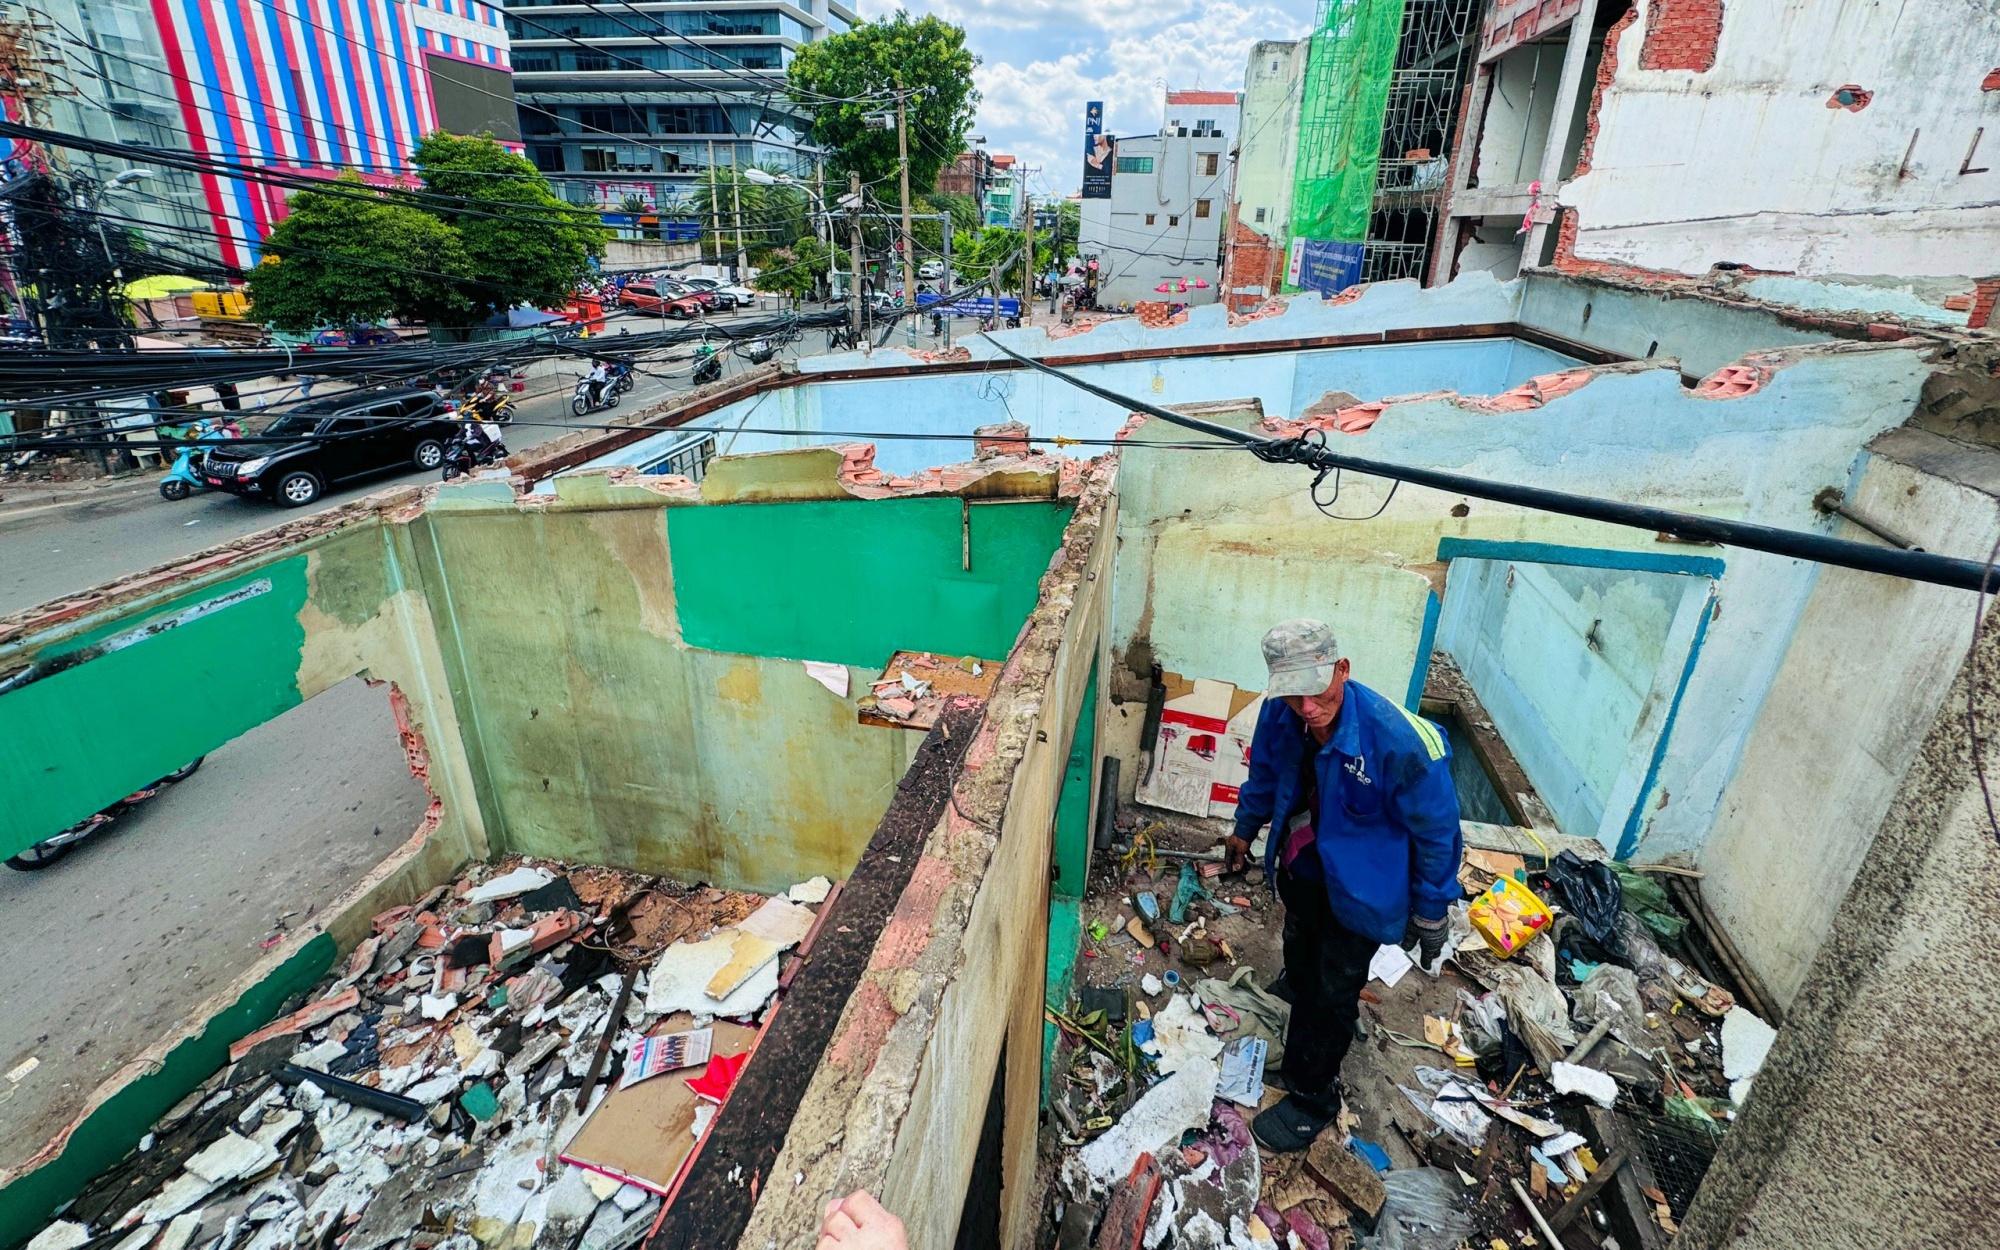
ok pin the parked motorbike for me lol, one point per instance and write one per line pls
(621, 379)
(584, 400)
(182, 480)
(707, 364)
(46, 852)
(463, 455)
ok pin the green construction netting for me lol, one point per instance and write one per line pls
(1348, 71)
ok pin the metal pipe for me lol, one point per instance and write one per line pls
(1535, 1214)
(1916, 566)
(1834, 503)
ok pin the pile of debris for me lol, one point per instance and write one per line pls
(525, 1058)
(1564, 1046)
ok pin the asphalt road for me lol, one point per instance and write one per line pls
(112, 946)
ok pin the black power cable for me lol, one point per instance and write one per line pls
(1918, 566)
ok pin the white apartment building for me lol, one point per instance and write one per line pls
(1162, 225)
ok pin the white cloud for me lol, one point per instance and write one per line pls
(1043, 59)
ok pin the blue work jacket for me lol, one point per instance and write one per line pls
(1387, 826)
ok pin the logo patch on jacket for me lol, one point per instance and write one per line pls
(1358, 767)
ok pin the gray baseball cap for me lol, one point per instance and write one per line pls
(1300, 654)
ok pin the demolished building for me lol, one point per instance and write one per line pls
(597, 666)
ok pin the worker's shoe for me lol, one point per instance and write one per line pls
(1294, 1122)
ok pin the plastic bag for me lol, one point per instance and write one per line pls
(1591, 891)
(1536, 1010)
(1646, 898)
(1613, 992)
(1239, 1007)
(1423, 1212)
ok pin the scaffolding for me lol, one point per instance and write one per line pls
(1433, 53)
(1348, 67)
(1379, 106)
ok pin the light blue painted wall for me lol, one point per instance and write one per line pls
(1284, 382)
(1213, 550)
(1567, 661)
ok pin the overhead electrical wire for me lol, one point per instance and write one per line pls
(1922, 566)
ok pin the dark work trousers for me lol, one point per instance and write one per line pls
(1327, 965)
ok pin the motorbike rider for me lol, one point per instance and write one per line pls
(599, 378)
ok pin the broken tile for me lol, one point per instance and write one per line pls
(779, 920)
(812, 891)
(180, 1231)
(510, 885)
(231, 1157)
(749, 954)
(60, 1235)
(679, 980)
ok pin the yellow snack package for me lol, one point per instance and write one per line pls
(1508, 916)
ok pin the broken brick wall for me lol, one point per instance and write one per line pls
(1681, 34)
(1875, 190)
(898, 1104)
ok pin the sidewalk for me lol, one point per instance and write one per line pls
(22, 496)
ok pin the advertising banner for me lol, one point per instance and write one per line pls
(1328, 266)
(1100, 153)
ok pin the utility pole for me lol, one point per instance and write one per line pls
(909, 240)
(736, 196)
(1028, 253)
(714, 205)
(854, 247)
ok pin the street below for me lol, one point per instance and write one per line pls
(114, 944)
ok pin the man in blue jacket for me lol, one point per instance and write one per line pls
(1364, 848)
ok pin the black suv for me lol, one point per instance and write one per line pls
(348, 436)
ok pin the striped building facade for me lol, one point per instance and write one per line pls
(314, 87)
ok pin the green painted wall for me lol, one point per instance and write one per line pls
(116, 1126)
(629, 677)
(184, 678)
(855, 581)
(1073, 814)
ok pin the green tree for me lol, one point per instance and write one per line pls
(966, 214)
(927, 56)
(773, 214)
(796, 270)
(522, 243)
(349, 254)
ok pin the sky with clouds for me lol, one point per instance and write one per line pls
(1041, 60)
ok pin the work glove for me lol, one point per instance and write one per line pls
(1428, 937)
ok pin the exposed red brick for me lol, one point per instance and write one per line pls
(1984, 294)
(1513, 22)
(1681, 34)
(1607, 69)
(1991, 82)
(1532, 393)
(1252, 259)
(1850, 96)
(1733, 381)
(1007, 438)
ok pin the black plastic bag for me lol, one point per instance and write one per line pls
(1592, 894)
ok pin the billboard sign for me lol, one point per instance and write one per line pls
(1100, 153)
(1328, 266)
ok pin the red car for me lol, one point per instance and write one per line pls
(677, 287)
(645, 296)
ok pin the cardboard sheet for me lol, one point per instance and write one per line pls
(644, 1133)
(1203, 751)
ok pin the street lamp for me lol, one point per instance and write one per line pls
(118, 182)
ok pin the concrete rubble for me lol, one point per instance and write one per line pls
(430, 1091)
(1557, 1071)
